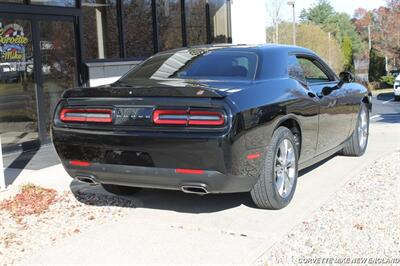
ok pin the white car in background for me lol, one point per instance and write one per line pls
(396, 88)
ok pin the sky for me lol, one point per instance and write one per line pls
(347, 6)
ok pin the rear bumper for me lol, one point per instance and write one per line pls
(163, 178)
(150, 159)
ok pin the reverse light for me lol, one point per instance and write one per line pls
(188, 118)
(86, 115)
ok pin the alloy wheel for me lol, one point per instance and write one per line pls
(362, 128)
(285, 168)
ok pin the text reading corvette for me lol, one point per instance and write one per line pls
(213, 119)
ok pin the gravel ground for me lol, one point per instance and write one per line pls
(362, 221)
(69, 215)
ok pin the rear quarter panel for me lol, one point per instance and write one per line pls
(260, 109)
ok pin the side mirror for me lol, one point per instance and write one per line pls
(346, 77)
(327, 90)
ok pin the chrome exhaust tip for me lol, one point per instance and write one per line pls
(198, 190)
(87, 179)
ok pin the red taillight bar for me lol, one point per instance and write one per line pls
(79, 163)
(189, 171)
(179, 117)
(188, 117)
(86, 115)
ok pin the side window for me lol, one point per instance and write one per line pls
(312, 72)
(295, 70)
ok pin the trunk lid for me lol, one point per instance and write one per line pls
(161, 88)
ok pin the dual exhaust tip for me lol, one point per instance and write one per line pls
(195, 189)
(91, 180)
(190, 189)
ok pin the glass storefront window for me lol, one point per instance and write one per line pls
(219, 21)
(195, 12)
(100, 29)
(138, 28)
(57, 50)
(169, 24)
(18, 116)
(69, 3)
(12, 1)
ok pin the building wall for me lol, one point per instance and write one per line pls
(101, 73)
(249, 19)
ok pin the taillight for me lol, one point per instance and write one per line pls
(86, 115)
(188, 118)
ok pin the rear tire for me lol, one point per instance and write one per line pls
(397, 98)
(276, 186)
(358, 142)
(120, 190)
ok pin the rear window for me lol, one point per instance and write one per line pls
(188, 64)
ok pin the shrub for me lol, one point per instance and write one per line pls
(389, 80)
(377, 66)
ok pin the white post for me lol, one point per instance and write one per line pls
(369, 37)
(2, 177)
(293, 5)
(329, 48)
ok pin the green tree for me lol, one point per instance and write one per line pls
(312, 37)
(377, 67)
(339, 24)
(347, 48)
(318, 13)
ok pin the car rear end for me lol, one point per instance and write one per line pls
(166, 124)
(179, 143)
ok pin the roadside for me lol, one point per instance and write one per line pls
(361, 221)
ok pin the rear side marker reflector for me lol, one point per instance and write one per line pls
(86, 115)
(79, 163)
(189, 171)
(188, 118)
(253, 156)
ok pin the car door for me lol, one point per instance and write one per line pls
(335, 115)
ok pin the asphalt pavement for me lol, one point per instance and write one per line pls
(384, 108)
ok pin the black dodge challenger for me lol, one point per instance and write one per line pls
(213, 119)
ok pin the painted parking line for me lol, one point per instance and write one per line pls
(385, 102)
(375, 117)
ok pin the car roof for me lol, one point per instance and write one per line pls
(260, 47)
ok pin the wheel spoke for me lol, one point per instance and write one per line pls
(288, 183)
(283, 151)
(280, 183)
(290, 158)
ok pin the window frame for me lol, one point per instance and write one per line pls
(333, 78)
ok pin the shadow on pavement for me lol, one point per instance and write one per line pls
(162, 199)
(170, 200)
(388, 118)
(17, 166)
(385, 96)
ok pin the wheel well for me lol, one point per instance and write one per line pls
(293, 126)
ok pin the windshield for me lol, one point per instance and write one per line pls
(197, 64)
